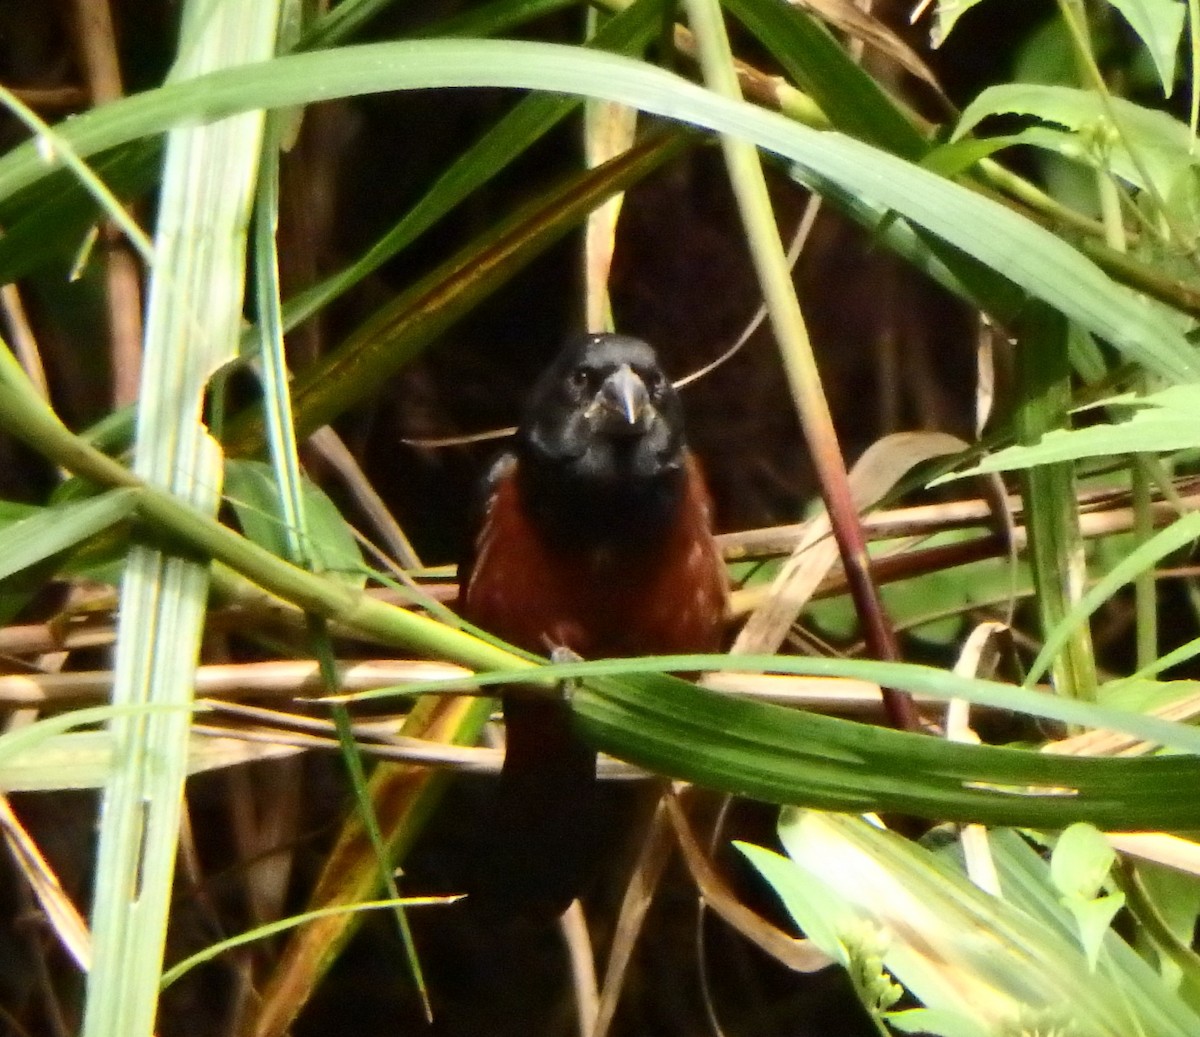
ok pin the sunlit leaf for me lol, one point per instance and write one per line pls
(947, 14)
(252, 491)
(1161, 144)
(1081, 861)
(1159, 422)
(50, 530)
(936, 1021)
(965, 952)
(1079, 867)
(1159, 23)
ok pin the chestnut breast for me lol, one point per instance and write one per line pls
(663, 596)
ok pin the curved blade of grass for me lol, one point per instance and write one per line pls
(854, 102)
(397, 332)
(1026, 254)
(283, 925)
(1176, 536)
(769, 752)
(920, 680)
(783, 756)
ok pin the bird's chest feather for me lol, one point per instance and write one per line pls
(661, 595)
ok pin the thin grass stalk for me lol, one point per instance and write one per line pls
(285, 459)
(1108, 194)
(795, 347)
(1145, 587)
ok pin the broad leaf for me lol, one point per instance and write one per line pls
(1006, 966)
(1162, 145)
(1159, 23)
(251, 489)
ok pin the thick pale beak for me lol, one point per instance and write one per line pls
(623, 400)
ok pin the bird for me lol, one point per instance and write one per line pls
(594, 539)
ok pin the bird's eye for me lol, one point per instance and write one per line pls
(581, 378)
(656, 384)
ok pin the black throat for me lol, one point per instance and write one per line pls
(627, 512)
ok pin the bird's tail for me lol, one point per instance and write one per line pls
(542, 848)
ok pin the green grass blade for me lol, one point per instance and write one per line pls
(528, 122)
(1142, 559)
(1021, 251)
(853, 101)
(1056, 550)
(200, 248)
(60, 527)
(398, 332)
(261, 932)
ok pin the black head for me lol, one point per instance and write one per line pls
(603, 436)
(604, 411)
